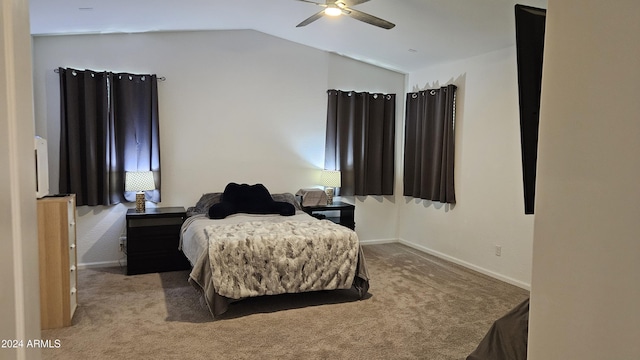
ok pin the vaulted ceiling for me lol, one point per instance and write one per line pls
(427, 32)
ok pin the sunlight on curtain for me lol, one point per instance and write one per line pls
(108, 125)
(429, 145)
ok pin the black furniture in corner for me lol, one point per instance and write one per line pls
(346, 212)
(153, 237)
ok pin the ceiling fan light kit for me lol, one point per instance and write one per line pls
(333, 11)
(336, 8)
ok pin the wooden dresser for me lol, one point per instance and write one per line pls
(57, 256)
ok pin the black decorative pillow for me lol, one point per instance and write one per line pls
(283, 208)
(221, 210)
(250, 199)
(247, 197)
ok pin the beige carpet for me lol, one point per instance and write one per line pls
(419, 307)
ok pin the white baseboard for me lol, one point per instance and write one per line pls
(115, 263)
(468, 265)
(378, 241)
(452, 259)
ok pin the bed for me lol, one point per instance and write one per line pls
(247, 253)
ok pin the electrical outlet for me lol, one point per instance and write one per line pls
(123, 240)
(498, 250)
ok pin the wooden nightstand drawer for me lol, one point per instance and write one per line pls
(156, 262)
(153, 239)
(345, 213)
(152, 222)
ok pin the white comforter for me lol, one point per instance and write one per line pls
(251, 255)
(194, 242)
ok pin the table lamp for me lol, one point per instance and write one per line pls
(330, 179)
(139, 181)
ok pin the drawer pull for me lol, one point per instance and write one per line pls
(73, 268)
(72, 246)
(73, 291)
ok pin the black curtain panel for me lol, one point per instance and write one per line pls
(87, 160)
(108, 125)
(360, 141)
(135, 109)
(530, 27)
(429, 145)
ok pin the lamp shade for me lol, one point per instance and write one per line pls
(330, 178)
(139, 181)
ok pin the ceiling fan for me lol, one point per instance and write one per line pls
(343, 7)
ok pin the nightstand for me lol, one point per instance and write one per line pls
(346, 213)
(153, 238)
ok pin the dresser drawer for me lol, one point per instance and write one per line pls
(57, 260)
(73, 291)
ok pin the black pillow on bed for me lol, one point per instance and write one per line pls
(250, 199)
(283, 208)
(221, 210)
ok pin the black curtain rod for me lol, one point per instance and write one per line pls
(160, 78)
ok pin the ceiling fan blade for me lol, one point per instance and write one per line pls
(313, 2)
(311, 19)
(354, 2)
(369, 19)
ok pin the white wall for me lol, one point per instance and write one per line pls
(488, 173)
(376, 216)
(586, 287)
(236, 106)
(19, 298)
